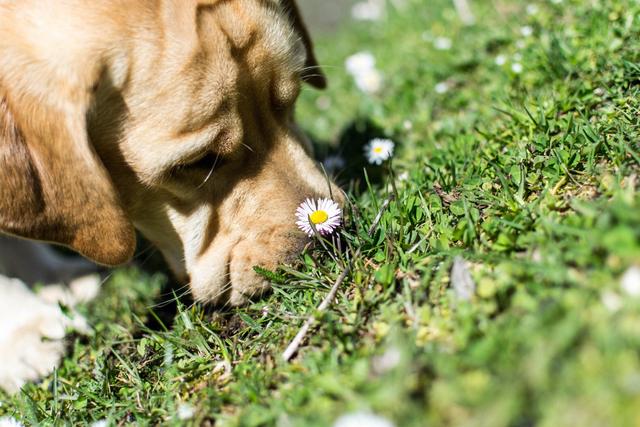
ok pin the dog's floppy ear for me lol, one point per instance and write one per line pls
(312, 73)
(53, 187)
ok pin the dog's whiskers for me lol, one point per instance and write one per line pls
(213, 167)
(318, 67)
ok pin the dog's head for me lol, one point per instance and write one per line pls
(173, 116)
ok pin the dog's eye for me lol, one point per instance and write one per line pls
(206, 163)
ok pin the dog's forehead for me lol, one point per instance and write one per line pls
(250, 27)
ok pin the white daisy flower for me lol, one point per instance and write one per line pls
(442, 43)
(378, 150)
(501, 60)
(442, 87)
(10, 422)
(362, 419)
(516, 68)
(359, 62)
(369, 81)
(362, 66)
(370, 10)
(526, 31)
(323, 214)
(611, 300)
(532, 9)
(630, 282)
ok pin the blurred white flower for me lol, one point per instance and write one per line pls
(10, 422)
(185, 411)
(521, 44)
(362, 419)
(378, 150)
(386, 361)
(369, 81)
(526, 31)
(407, 125)
(442, 43)
(611, 301)
(517, 68)
(532, 9)
(501, 60)
(442, 87)
(630, 282)
(370, 10)
(362, 66)
(333, 164)
(361, 61)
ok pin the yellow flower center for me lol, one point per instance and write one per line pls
(377, 150)
(319, 217)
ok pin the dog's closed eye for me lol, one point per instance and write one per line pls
(208, 162)
(205, 164)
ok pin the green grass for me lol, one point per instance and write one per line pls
(530, 177)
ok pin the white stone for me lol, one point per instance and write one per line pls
(461, 281)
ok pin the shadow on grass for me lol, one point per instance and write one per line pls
(346, 162)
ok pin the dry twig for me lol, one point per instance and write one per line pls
(464, 11)
(292, 348)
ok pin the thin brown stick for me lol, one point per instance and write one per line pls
(464, 11)
(292, 348)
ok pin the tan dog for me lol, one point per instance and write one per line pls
(171, 116)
